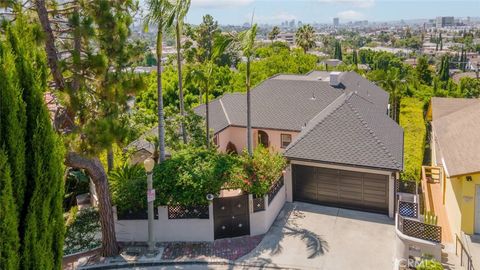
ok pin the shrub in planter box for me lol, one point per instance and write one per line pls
(192, 173)
(128, 186)
(261, 170)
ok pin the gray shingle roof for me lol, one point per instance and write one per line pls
(288, 102)
(276, 104)
(364, 88)
(346, 124)
(353, 131)
(218, 118)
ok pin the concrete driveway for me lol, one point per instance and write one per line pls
(308, 236)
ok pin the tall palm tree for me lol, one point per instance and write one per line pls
(391, 81)
(247, 42)
(181, 10)
(161, 13)
(203, 75)
(305, 37)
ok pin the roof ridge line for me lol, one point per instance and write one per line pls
(356, 94)
(332, 110)
(225, 112)
(365, 123)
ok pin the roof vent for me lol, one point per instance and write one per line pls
(313, 96)
(335, 78)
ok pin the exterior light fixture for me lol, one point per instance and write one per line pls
(210, 197)
(148, 164)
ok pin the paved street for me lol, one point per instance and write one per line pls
(308, 236)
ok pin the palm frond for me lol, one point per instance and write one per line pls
(160, 12)
(247, 40)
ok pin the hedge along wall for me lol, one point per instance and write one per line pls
(413, 123)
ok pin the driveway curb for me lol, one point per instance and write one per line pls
(170, 263)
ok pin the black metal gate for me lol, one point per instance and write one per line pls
(231, 216)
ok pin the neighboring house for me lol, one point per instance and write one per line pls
(455, 144)
(343, 148)
(143, 147)
(457, 77)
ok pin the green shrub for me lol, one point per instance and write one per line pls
(261, 170)
(82, 229)
(429, 264)
(413, 124)
(431, 218)
(192, 173)
(76, 183)
(128, 185)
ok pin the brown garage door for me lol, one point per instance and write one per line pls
(362, 191)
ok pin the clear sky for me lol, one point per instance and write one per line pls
(323, 11)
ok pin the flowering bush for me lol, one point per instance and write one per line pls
(192, 173)
(261, 170)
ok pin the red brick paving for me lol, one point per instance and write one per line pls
(230, 249)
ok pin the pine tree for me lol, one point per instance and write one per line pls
(355, 58)
(441, 42)
(338, 51)
(444, 72)
(96, 35)
(463, 59)
(422, 71)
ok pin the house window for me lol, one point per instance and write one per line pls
(286, 139)
(263, 138)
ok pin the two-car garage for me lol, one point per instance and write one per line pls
(359, 190)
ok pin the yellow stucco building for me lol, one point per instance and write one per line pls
(455, 145)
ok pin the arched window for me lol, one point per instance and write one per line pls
(263, 138)
(231, 148)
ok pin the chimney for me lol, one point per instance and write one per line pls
(335, 78)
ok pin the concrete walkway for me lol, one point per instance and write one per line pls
(473, 243)
(307, 236)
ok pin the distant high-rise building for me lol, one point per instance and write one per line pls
(299, 23)
(336, 21)
(292, 23)
(444, 21)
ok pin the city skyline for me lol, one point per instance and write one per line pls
(237, 12)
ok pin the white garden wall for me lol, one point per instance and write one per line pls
(195, 230)
(260, 222)
(166, 230)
